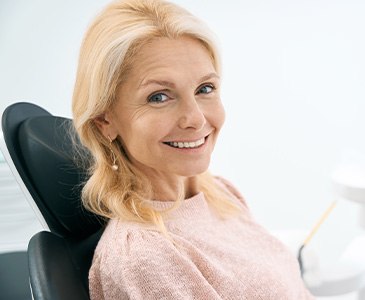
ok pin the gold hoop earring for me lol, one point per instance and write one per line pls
(114, 158)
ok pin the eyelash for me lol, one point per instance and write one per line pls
(207, 85)
(150, 98)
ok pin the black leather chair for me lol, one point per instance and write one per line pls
(40, 146)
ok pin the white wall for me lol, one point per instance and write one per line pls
(294, 74)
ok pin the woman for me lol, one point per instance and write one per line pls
(146, 103)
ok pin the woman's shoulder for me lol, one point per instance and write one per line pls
(230, 189)
(122, 237)
(127, 255)
(129, 245)
(128, 250)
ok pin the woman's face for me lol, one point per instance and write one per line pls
(168, 113)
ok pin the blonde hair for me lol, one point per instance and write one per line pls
(106, 56)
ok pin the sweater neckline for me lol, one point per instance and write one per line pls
(159, 204)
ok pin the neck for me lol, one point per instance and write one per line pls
(167, 189)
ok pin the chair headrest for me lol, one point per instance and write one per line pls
(41, 147)
(47, 148)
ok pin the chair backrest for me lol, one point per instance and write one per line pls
(41, 148)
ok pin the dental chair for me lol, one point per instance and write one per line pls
(42, 158)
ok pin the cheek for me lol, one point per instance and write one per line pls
(223, 115)
(148, 130)
(218, 116)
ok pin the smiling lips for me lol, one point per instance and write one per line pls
(189, 145)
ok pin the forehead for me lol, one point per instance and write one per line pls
(184, 55)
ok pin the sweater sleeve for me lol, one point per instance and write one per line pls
(146, 265)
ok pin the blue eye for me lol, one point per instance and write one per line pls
(205, 89)
(157, 98)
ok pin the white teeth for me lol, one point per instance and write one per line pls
(187, 144)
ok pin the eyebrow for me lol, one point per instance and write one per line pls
(172, 85)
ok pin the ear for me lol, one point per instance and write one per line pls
(105, 124)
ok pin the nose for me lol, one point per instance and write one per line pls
(191, 114)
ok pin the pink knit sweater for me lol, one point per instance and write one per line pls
(210, 258)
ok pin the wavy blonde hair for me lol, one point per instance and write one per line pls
(106, 56)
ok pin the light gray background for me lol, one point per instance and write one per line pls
(293, 88)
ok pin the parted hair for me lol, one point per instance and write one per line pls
(106, 56)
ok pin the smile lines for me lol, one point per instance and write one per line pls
(186, 144)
